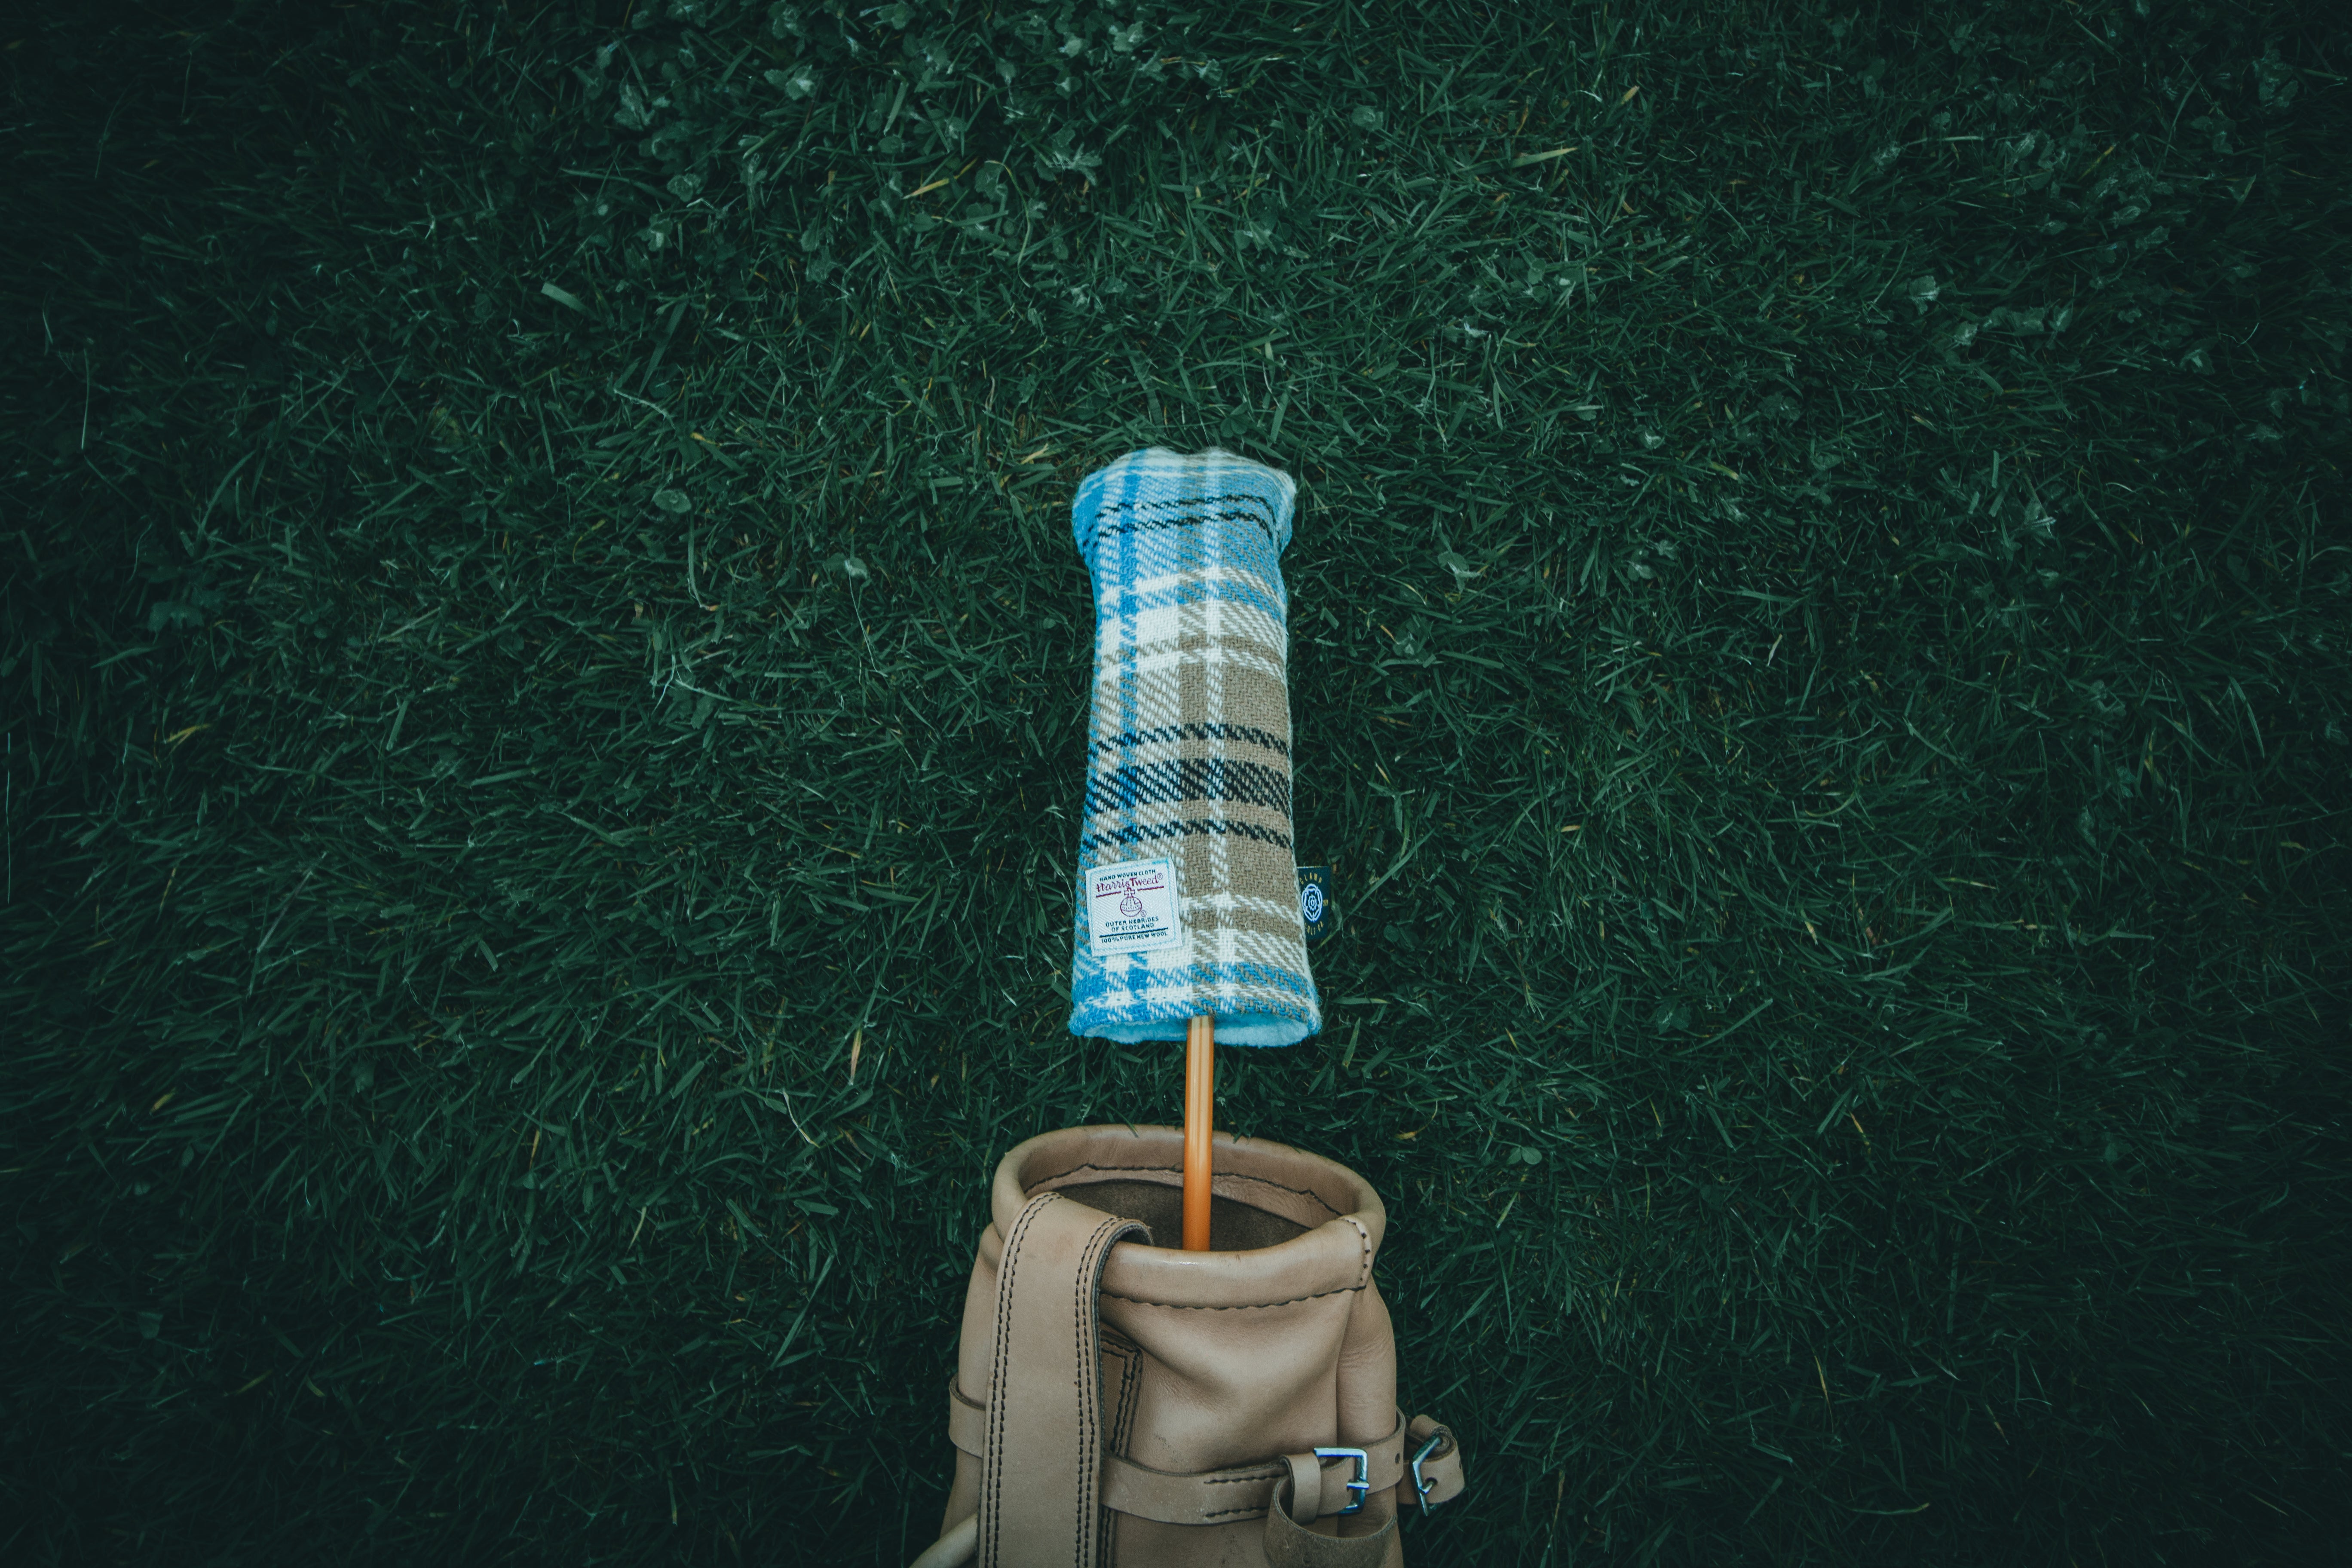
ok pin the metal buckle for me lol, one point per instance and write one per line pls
(1422, 1488)
(1360, 1484)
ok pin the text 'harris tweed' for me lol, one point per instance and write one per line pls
(1189, 755)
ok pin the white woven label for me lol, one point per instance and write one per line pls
(1131, 908)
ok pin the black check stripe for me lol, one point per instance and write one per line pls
(1189, 778)
(1126, 836)
(1166, 733)
(1183, 512)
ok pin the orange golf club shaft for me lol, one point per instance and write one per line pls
(1200, 1122)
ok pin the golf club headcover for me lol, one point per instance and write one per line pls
(1188, 895)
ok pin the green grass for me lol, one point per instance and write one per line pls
(540, 629)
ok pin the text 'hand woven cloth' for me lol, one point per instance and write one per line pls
(1188, 894)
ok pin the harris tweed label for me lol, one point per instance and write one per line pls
(1131, 908)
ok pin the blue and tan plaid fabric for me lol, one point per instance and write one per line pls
(1189, 754)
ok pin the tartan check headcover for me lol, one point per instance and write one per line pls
(1188, 756)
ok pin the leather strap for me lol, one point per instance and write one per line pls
(967, 1420)
(1245, 1491)
(1285, 1543)
(1042, 1449)
(1302, 1480)
(1290, 1544)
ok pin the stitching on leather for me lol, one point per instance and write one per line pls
(1364, 1270)
(1089, 1370)
(1091, 1258)
(1138, 1171)
(1128, 1393)
(1086, 1438)
(1010, 1264)
(992, 1444)
(1256, 1475)
(1244, 1307)
(1120, 1419)
(1123, 1421)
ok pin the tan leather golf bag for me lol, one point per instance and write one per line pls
(1121, 1403)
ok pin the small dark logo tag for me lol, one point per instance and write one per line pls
(1317, 913)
